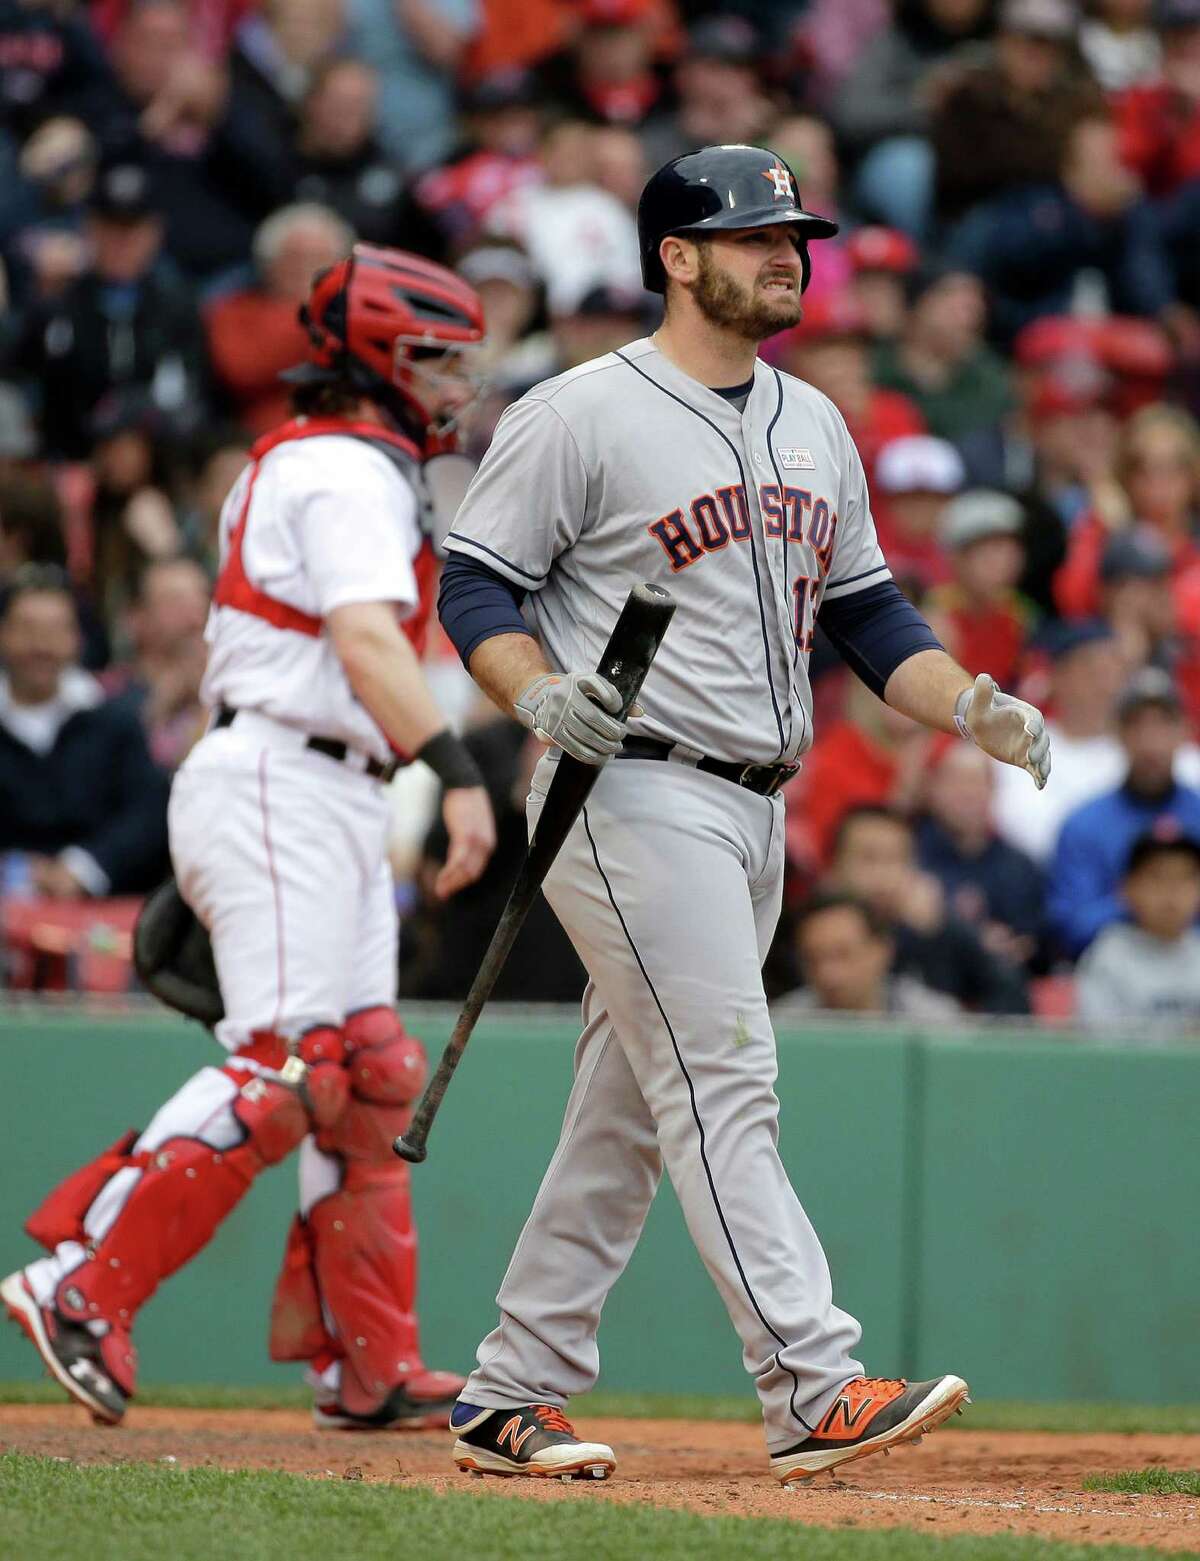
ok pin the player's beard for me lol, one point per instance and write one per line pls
(751, 314)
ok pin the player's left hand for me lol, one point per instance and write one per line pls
(1007, 728)
(467, 814)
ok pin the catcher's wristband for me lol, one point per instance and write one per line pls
(450, 761)
(961, 705)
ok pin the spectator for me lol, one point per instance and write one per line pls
(30, 525)
(977, 614)
(42, 211)
(883, 111)
(987, 882)
(1160, 121)
(337, 161)
(1031, 244)
(501, 273)
(1085, 876)
(874, 859)
(577, 235)
(1118, 45)
(50, 63)
(127, 321)
(130, 518)
(619, 164)
(514, 35)
(161, 681)
(416, 46)
(1145, 974)
(1157, 483)
(1136, 599)
(1086, 673)
(915, 478)
(79, 794)
(719, 95)
(216, 458)
(604, 319)
(941, 362)
(1006, 122)
(880, 260)
(276, 51)
(845, 950)
(502, 127)
(211, 23)
(608, 72)
(830, 348)
(255, 334)
(807, 146)
(171, 108)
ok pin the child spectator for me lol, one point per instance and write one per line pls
(1145, 973)
(845, 950)
(978, 615)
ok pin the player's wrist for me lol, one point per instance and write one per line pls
(961, 705)
(450, 760)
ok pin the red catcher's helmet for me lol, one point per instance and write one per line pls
(370, 315)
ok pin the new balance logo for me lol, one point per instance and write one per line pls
(842, 1417)
(508, 1434)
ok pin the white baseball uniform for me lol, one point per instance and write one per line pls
(670, 883)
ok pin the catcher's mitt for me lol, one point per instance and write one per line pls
(174, 958)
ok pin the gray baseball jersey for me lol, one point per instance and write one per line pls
(670, 882)
(626, 470)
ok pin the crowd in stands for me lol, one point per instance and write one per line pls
(1009, 321)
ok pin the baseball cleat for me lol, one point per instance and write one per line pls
(540, 1442)
(72, 1355)
(871, 1415)
(421, 1404)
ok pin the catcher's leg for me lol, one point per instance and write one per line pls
(123, 1223)
(347, 1294)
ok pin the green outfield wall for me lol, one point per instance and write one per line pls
(1018, 1209)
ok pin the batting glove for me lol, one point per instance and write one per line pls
(574, 711)
(1007, 728)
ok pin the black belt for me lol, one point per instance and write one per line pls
(331, 747)
(764, 779)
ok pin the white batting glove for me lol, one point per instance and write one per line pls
(575, 711)
(1007, 728)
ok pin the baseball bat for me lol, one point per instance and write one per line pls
(631, 648)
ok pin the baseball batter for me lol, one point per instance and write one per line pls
(683, 459)
(278, 827)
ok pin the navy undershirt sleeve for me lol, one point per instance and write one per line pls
(874, 630)
(475, 603)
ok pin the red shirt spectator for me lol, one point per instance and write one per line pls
(1158, 485)
(254, 335)
(978, 615)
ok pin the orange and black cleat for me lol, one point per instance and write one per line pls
(536, 1439)
(870, 1415)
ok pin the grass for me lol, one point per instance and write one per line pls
(57, 1511)
(1152, 1482)
(988, 1415)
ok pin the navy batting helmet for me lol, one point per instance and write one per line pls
(722, 187)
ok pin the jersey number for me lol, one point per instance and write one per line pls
(805, 591)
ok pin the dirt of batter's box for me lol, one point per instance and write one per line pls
(979, 1482)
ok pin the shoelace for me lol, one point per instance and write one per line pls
(553, 1419)
(881, 1384)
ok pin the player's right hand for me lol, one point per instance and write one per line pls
(471, 826)
(576, 711)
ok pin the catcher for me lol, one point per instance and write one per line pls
(278, 823)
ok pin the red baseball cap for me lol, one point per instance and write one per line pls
(826, 318)
(882, 249)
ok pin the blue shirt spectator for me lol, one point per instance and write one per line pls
(1094, 845)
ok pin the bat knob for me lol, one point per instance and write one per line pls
(413, 1153)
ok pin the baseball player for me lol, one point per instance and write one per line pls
(278, 824)
(685, 460)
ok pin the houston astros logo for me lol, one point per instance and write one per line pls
(780, 178)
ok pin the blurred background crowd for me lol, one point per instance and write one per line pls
(1009, 322)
